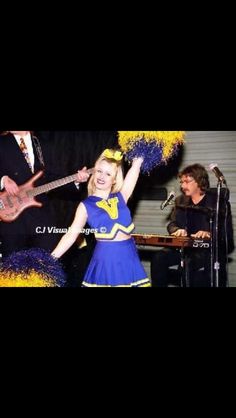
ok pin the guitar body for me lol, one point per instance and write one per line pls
(12, 206)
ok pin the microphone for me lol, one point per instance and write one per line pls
(168, 200)
(214, 167)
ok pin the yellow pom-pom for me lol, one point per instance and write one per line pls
(168, 139)
(32, 279)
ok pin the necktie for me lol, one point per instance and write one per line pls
(24, 150)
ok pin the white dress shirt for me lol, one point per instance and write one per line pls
(29, 146)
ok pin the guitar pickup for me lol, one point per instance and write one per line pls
(10, 203)
(2, 206)
(19, 199)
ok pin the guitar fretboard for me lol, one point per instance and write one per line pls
(55, 184)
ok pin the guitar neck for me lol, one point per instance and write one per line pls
(55, 184)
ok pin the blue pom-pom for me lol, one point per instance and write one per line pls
(38, 260)
(151, 152)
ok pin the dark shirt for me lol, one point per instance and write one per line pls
(194, 218)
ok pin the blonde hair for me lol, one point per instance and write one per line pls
(119, 177)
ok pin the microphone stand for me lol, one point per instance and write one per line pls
(216, 237)
(212, 252)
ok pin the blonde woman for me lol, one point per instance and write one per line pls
(115, 261)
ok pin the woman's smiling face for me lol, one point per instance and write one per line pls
(104, 176)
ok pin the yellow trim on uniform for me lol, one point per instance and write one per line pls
(117, 227)
(146, 285)
(138, 283)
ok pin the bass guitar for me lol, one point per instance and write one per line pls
(12, 206)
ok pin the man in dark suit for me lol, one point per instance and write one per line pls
(21, 157)
(191, 217)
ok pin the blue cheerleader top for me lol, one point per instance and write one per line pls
(108, 216)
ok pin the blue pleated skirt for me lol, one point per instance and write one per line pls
(115, 263)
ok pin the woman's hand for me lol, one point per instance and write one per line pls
(138, 161)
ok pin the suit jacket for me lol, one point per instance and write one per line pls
(13, 163)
